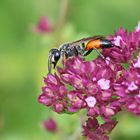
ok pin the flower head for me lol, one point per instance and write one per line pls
(92, 130)
(44, 25)
(100, 87)
(129, 43)
(89, 90)
(50, 125)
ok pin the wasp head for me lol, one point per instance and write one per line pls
(54, 56)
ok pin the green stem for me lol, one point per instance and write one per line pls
(62, 14)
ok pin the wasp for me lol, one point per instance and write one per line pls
(81, 47)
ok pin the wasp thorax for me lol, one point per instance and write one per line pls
(63, 48)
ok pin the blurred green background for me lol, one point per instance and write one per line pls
(23, 60)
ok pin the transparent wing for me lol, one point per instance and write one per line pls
(78, 42)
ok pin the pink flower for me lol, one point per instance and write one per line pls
(132, 86)
(104, 84)
(44, 25)
(136, 64)
(50, 125)
(92, 130)
(127, 87)
(117, 40)
(138, 27)
(91, 101)
(129, 43)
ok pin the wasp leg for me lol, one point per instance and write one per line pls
(65, 57)
(49, 64)
(88, 52)
(75, 51)
(99, 53)
(102, 56)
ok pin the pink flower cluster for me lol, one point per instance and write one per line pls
(94, 131)
(102, 88)
(44, 25)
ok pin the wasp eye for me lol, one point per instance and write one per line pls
(56, 56)
(55, 53)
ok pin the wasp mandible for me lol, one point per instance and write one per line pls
(81, 47)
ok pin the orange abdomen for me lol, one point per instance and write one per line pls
(93, 44)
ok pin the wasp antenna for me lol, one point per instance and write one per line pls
(49, 64)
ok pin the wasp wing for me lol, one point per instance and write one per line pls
(79, 42)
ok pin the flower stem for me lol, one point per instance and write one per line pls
(62, 14)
